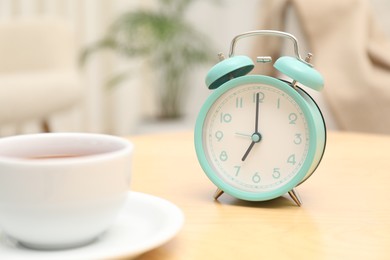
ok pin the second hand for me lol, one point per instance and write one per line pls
(243, 135)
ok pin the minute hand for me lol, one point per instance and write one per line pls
(256, 137)
(257, 114)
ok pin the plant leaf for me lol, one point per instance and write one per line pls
(118, 78)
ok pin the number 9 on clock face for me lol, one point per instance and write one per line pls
(257, 137)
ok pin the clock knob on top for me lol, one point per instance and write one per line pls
(227, 69)
(300, 71)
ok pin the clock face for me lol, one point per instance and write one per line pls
(256, 139)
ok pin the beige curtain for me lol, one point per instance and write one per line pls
(351, 52)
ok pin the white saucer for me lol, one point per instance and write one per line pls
(146, 222)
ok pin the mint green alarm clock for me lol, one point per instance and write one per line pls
(258, 137)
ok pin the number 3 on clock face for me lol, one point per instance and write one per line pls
(257, 137)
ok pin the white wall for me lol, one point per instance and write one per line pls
(221, 22)
(121, 111)
(101, 111)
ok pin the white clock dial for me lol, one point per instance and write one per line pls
(279, 143)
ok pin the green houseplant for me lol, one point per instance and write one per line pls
(171, 46)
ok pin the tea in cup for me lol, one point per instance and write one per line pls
(61, 190)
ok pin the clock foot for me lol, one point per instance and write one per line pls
(295, 196)
(218, 193)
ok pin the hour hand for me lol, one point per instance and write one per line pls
(256, 137)
(248, 150)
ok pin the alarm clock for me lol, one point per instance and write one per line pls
(258, 137)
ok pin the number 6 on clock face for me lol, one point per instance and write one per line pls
(257, 137)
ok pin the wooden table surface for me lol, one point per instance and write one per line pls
(345, 212)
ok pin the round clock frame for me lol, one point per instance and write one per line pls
(265, 151)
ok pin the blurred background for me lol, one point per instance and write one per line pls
(102, 66)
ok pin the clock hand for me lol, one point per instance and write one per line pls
(256, 137)
(257, 113)
(248, 150)
(243, 135)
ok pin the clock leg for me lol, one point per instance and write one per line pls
(218, 193)
(295, 196)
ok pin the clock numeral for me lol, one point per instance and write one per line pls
(238, 168)
(278, 103)
(291, 159)
(256, 178)
(226, 118)
(293, 118)
(223, 156)
(239, 102)
(298, 139)
(276, 173)
(219, 135)
(261, 97)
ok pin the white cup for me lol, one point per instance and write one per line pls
(61, 190)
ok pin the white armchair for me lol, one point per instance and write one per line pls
(38, 70)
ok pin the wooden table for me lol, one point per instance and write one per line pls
(345, 212)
